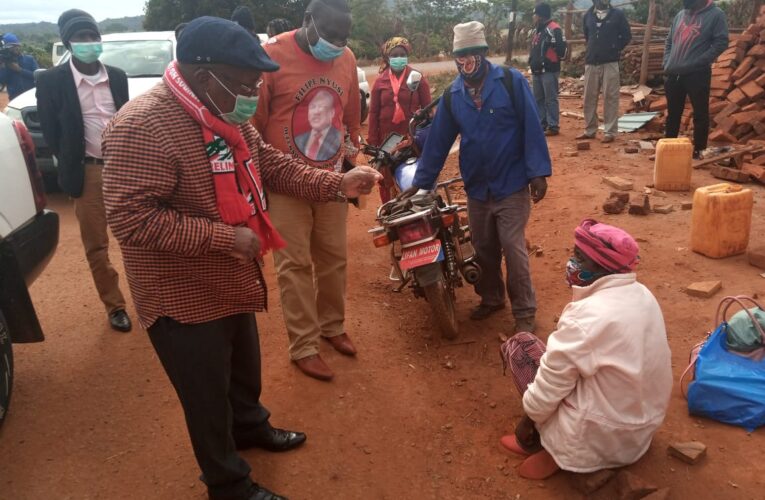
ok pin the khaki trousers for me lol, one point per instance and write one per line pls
(91, 214)
(605, 77)
(311, 269)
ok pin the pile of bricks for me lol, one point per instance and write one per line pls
(737, 98)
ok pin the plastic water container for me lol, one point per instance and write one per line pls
(672, 170)
(722, 220)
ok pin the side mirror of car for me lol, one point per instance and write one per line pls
(37, 72)
(413, 81)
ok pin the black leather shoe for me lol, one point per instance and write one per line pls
(258, 492)
(272, 439)
(120, 321)
(483, 311)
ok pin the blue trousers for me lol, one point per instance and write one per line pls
(546, 95)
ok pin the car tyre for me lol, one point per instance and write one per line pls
(6, 369)
(364, 107)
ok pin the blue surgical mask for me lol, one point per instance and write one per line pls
(244, 106)
(398, 63)
(323, 50)
(87, 52)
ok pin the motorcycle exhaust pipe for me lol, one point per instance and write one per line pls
(471, 272)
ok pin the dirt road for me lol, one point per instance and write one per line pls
(94, 416)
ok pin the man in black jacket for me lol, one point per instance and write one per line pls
(698, 36)
(548, 48)
(75, 101)
(607, 33)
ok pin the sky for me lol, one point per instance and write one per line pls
(32, 11)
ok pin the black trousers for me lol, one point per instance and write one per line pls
(696, 86)
(215, 370)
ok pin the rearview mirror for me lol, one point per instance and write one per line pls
(413, 81)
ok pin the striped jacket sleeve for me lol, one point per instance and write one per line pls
(139, 180)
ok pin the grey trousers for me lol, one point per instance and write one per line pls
(605, 77)
(497, 228)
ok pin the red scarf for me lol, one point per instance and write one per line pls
(395, 83)
(238, 190)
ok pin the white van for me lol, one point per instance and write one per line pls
(57, 52)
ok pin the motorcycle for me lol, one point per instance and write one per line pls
(430, 244)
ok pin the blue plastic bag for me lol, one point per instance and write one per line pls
(727, 387)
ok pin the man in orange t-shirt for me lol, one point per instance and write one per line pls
(305, 110)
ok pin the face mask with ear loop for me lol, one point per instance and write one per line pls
(324, 50)
(244, 106)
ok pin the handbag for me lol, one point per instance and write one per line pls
(727, 386)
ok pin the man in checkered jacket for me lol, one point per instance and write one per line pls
(183, 187)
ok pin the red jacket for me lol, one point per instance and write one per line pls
(381, 107)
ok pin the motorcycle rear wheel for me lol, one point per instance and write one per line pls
(442, 304)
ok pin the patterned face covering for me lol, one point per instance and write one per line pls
(471, 67)
(576, 275)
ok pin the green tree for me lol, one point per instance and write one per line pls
(373, 24)
(115, 28)
(164, 15)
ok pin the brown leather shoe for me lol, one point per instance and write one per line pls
(315, 367)
(342, 344)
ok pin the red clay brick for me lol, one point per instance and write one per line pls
(738, 97)
(752, 90)
(757, 172)
(720, 136)
(743, 68)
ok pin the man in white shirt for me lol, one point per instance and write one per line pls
(603, 382)
(75, 102)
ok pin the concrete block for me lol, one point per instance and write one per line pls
(703, 289)
(690, 452)
(730, 174)
(663, 209)
(757, 257)
(619, 183)
(632, 487)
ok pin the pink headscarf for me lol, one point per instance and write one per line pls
(610, 247)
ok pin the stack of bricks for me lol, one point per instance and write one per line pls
(737, 103)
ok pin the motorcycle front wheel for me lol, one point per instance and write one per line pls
(442, 304)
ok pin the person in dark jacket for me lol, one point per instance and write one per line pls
(75, 102)
(699, 34)
(607, 33)
(18, 72)
(548, 48)
(504, 162)
(278, 26)
(242, 16)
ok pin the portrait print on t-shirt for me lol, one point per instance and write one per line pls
(317, 125)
